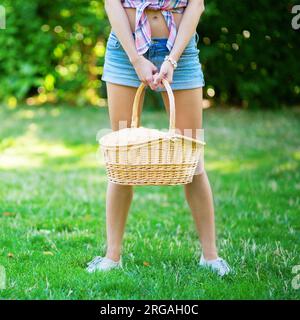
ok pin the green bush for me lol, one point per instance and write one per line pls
(250, 53)
(52, 47)
(55, 49)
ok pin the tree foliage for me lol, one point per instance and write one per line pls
(250, 53)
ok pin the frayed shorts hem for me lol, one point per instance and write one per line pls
(174, 86)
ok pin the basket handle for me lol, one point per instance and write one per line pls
(135, 116)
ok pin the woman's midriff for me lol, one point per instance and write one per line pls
(156, 20)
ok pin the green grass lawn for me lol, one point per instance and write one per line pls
(52, 210)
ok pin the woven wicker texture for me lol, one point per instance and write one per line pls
(144, 156)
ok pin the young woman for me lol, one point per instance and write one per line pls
(151, 40)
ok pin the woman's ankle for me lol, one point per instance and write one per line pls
(210, 254)
(113, 255)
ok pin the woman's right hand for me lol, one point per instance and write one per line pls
(145, 70)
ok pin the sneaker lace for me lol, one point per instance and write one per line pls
(224, 264)
(95, 261)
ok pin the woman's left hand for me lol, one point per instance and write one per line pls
(166, 71)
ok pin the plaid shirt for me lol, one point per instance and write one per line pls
(142, 26)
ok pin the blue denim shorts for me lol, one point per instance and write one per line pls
(118, 68)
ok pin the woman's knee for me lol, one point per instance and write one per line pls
(200, 170)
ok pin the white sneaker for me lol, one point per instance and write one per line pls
(103, 264)
(219, 265)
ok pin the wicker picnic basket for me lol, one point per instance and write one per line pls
(144, 156)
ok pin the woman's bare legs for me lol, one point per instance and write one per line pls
(118, 197)
(198, 193)
(199, 197)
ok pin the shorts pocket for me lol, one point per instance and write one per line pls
(191, 49)
(113, 42)
(197, 38)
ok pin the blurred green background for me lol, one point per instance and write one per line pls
(53, 51)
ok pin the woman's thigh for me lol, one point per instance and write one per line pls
(120, 101)
(188, 105)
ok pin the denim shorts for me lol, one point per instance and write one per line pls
(118, 68)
